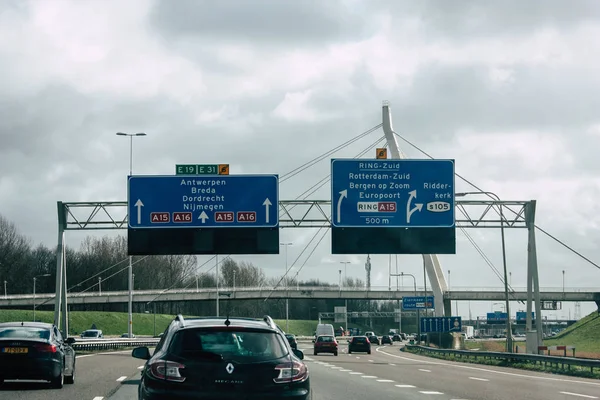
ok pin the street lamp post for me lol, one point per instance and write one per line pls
(563, 281)
(100, 286)
(509, 345)
(34, 280)
(287, 292)
(5, 294)
(402, 274)
(130, 270)
(345, 281)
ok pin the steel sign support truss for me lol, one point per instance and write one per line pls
(300, 214)
(109, 215)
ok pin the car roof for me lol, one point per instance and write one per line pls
(228, 323)
(26, 324)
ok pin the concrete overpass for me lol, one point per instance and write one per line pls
(319, 292)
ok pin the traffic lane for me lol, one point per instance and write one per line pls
(374, 367)
(465, 382)
(96, 377)
(326, 381)
(330, 381)
(470, 380)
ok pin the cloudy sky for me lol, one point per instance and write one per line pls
(510, 90)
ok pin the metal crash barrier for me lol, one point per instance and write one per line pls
(511, 357)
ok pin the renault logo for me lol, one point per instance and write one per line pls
(229, 368)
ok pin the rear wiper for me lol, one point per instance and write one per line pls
(207, 355)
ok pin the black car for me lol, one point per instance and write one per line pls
(397, 337)
(386, 339)
(374, 339)
(223, 358)
(36, 351)
(292, 340)
(359, 344)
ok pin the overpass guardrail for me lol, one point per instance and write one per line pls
(540, 359)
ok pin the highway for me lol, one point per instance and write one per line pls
(97, 376)
(387, 373)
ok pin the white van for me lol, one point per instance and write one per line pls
(324, 329)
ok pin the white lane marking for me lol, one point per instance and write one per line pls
(405, 386)
(479, 379)
(457, 365)
(84, 356)
(384, 380)
(424, 370)
(141, 367)
(357, 357)
(98, 398)
(430, 392)
(337, 367)
(579, 395)
(393, 365)
(121, 379)
(369, 376)
(355, 373)
(345, 370)
(370, 360)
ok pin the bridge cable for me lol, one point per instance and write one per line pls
(313, 189)
(320, 158)
(562, 243)
(323, 182)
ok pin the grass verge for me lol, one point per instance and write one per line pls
(115, 324)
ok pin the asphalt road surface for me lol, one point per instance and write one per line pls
(387, 373)
(97, 376)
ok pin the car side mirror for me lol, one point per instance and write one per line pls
(314, 341)
(299, 354)
(141, 352)
(70, 340)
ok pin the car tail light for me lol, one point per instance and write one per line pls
(45, 348)
(291, 372)
(166, 370)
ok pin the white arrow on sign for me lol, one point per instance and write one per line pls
(267, 203)
(343, 195)
(418, 206)
(203, 217)
(139, 206)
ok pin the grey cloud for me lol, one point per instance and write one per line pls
(442, 100)
(270, 21)
(465, 19)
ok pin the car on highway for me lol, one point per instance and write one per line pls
(397, 337)
(92, 334)
(372, 338)
(386, 339)
(223, 358)
(292, 340)
(325, 344)
(359, 344)
(36, 351)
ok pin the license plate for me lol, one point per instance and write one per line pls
(15, 350)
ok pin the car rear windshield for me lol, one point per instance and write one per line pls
(325, 338)
(24, 332)
(239, 345)
(91, 334)
(360, 340)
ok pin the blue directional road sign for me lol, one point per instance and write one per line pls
(223, 201)
(441, 324)
(417, 303)
(392, 193)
